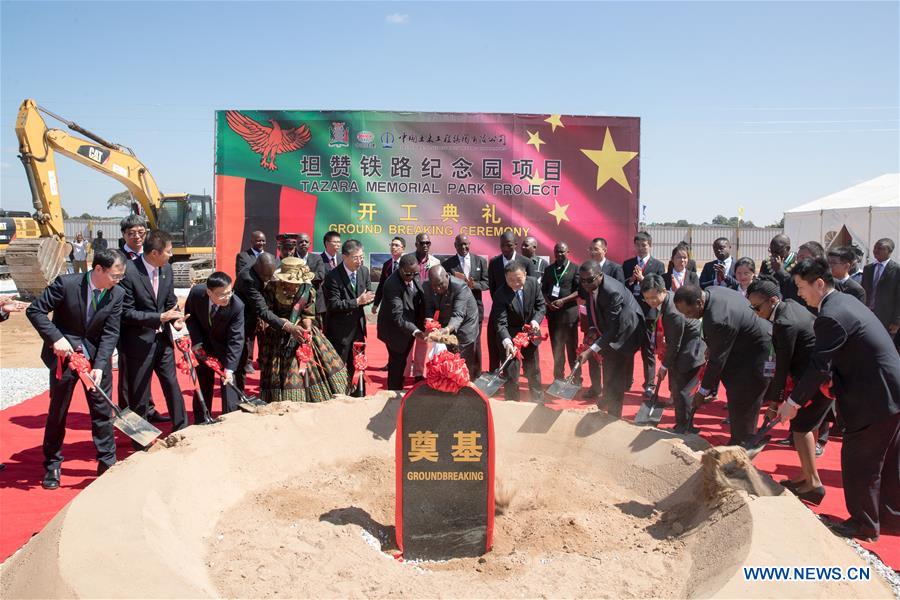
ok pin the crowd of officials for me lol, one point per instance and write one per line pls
(812, 335)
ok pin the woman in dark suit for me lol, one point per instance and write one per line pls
(679, 274)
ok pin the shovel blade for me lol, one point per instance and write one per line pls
(563, 389)
(489, 383)
(650, 413)
(135, 427)
(251, 404)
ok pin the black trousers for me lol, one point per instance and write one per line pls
(618, 372)
(745, 397)
(681, 388)
(648, 356)
(206, 379)
(397, 366)
(101, 418)
(467, 353)
(159, 359)
(530, 360)
(475, 366)
(564, 342)
(240, 377)
(495, 353)
(871, 475)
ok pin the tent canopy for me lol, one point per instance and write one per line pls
(860, 214)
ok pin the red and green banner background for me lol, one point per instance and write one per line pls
(374, 175)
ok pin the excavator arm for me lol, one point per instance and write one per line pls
(38, 146)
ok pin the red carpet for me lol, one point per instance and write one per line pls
(25, 507)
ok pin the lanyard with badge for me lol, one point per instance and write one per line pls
(95, 299)
(769, 365)
(555, 292)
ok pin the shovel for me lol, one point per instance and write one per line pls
(125, 420)
(489, 383)
(755, 445)
(207, 418)
(564, 388)
(651, 411)
(248, 404)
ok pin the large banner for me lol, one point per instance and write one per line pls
(374, 175)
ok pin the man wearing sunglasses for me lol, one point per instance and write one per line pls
(87, 310)
(424, 261)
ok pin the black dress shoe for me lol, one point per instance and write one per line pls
(791, 485)
(102, 468)
(590, 394)
(788, 442)
(51, 479)
(813, 496)
(851, 529)
(156, 417)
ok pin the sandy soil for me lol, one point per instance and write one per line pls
(20, 345)
(297, 501)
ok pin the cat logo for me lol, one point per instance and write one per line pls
(95, 153)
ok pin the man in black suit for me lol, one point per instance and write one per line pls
(217, 322)
(134, 230)
(779, 265)
(854, 350)
(635, 268)
(452, 300)
(402, 319)
(149, 306)
(313, 261)
(398, 247)
(87, 309)
(246, 258)
(616, 317)
(472, 270)
(346, 291)
(793, 340)
(518, 303)
(496, 280)
(740, 353)
(249, 288)
(598, 250)
(560, 289)
(881, 281)
(841, 259)
(331, 257)
(719, 272)
(529, 251)
(685, 349)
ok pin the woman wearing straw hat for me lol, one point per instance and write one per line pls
(286, 373)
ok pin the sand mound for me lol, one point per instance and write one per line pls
(298, 501)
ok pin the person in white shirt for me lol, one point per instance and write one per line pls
(80, 249)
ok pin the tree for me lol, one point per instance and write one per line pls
(720, 220)
(778, 223)
(120, 200)
(86, 216)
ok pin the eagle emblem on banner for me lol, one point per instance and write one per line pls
(267, 141)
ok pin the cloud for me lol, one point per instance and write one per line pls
(397, 19)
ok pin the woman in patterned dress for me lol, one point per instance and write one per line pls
(291, 296)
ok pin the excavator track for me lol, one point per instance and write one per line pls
(34, 263)
(190, 272)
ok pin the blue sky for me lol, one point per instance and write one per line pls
(761, 105)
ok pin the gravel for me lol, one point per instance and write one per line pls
(18, 385)
(878, 566)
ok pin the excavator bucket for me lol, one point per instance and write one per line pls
(34, 263)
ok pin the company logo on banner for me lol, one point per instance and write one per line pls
(554, 177)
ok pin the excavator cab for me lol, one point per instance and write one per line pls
(191, 221)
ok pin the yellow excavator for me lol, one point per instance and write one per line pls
(36, 256)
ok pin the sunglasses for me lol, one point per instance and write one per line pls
(407, 273)
(425, 243)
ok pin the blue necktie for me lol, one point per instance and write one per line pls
(521, 302)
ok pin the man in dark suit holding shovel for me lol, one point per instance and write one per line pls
(86, 315)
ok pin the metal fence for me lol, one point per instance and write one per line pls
(745, 241)
(89, 228)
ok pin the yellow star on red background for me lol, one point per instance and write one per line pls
(555, 121)
(535, 140)
(610, 162)
(559, 211)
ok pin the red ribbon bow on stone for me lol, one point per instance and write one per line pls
(446, 372)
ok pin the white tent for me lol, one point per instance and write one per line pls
(862, 214)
